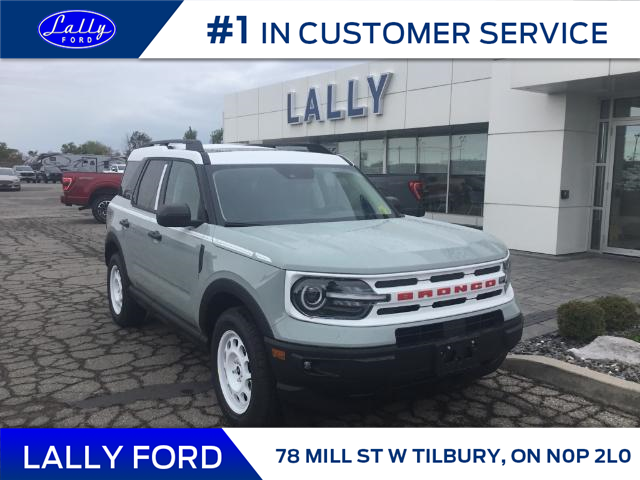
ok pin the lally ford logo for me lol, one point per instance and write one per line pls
(77, 29)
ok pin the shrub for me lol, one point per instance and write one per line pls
(619, 313)
(581, 320)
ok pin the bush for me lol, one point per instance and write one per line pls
(581, 320)
(619, 313)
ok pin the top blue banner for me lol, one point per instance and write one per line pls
(71, 29)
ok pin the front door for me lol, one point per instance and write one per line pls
(623, 226)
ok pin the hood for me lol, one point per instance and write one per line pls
(11, 177)
(369, 246)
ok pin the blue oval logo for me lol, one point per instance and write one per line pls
(77, 29)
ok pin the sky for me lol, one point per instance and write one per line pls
(45, 103)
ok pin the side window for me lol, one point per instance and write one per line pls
(182, 188)
(129, 178)
(149, 186)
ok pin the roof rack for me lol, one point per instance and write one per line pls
(310, 147)
(193, 145)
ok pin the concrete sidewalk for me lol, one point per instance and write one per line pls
(544, 282)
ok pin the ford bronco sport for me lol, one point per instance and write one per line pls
(299, 275)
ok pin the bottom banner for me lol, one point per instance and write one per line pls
(317, 453)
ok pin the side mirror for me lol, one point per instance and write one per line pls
(395, 203)
(175, 216)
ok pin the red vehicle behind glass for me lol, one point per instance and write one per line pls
(90, 190)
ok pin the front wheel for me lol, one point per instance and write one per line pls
(99, 208)
(242, 377)
(125, 312)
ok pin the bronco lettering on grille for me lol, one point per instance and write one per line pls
(446, 291)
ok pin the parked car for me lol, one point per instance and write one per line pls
(299, 275)
(116, 167)
(49, 173)
(90, 190)
(25, 173)
(9, 180)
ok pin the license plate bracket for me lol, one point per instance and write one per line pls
(457, 355)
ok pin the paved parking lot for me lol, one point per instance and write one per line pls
(64, 363)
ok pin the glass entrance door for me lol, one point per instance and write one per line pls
(624, 203)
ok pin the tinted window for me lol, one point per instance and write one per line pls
(129, 178)
(281, 194)
(148, 189)
(182, 188)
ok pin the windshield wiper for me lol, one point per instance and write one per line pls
(242, 224)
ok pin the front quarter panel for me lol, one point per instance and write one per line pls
(262, 281)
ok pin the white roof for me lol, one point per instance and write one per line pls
(221, 154)
(225, 147)
(273, 156)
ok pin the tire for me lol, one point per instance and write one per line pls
(125, 312)
(99, 207)
(236, 338)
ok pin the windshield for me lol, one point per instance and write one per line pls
(24, 169)
(6, 171)
(285, 194)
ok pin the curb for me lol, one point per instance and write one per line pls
(581, 381)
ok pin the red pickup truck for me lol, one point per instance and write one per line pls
(90, 190)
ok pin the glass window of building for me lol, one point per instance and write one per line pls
(401, 155)
(433, 163)
(351, 150)
(627, 107)
(466, 179)
(371, 155)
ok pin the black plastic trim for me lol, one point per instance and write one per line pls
(226, 286)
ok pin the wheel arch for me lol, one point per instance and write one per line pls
(102, 191)
(223, 294)
(111, 246)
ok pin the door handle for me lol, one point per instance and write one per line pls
(155, 235)
(125, 223)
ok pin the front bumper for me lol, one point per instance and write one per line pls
(421, 354)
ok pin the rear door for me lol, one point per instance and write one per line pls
(143, 234)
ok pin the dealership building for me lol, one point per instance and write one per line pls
(544, 154)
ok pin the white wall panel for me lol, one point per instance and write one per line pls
(470, 102)
(428, 107)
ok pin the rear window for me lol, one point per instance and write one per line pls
(129, 179)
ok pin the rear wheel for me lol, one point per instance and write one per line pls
(125, 312)
(99, 207)
(242, 377)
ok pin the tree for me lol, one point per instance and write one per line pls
(136, 140)
(91, 147)
(190, 134)
(9, 156)
(216, 136)
(70, 147)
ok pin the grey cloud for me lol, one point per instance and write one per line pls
(46, 103)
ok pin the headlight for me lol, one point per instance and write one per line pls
(506, 268)
(343, 299)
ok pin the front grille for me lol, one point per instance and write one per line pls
(5, 182)
(448, 329)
